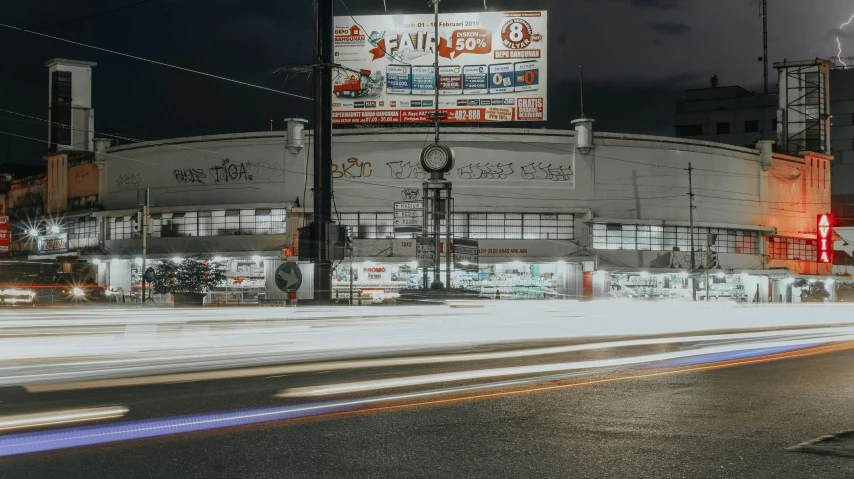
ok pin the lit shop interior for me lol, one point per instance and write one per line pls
(643, 285)
(377, 282)
(244, 283)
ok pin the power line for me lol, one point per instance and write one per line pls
(92, 15)
(157, 62)
(45, 141)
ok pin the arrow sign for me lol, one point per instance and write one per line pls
(288, 277)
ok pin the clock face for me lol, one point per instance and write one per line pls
(436, 158)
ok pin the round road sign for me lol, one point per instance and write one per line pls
(288, 277)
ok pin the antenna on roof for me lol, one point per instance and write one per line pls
(581, 88)
(763, 12)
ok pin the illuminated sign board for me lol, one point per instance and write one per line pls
(53, 244)
(5, 239)
(824, 243)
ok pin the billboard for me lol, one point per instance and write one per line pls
(492, 67)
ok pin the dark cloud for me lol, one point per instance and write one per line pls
(670, 28)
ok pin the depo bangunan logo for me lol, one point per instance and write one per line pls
(516, 34)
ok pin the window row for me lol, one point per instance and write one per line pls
(792, 249)
(470, 225)
(83, 232)
(673, 238)
(201, 223)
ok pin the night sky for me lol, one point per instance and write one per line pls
(638, 55)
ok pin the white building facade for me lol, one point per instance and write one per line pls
(552, 220)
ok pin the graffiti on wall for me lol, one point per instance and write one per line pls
(548, 172)
(486, 171)
(190, 175)
(128, 181)
(406, 171)
(352, 168)
(410, 194)
(227, 171)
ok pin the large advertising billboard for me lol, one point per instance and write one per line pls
(492, 67)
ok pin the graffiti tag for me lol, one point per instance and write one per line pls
(128, 181)
(410, 194)
(548, 172)
(405, 171)
(229, 171)
(190, 175)
(352, 168)
(486, 171)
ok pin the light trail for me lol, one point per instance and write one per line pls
(423, 380)
(25, 443)
(55, 418)
(839, 43)
(279, 370)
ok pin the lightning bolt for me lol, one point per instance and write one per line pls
(839, 43)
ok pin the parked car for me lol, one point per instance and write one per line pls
(52, 288)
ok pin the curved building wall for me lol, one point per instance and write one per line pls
(625, 200)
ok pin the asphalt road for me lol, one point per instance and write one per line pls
(712, 417)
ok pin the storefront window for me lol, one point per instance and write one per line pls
(676, 286)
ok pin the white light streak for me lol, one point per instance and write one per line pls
(362, 386)
(53, 418)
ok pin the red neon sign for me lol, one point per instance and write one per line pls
(824, 244)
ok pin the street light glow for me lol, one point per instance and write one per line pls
(54, 229)
(33, 232)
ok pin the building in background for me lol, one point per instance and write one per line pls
(726, 114)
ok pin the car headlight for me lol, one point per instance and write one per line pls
(79, 292)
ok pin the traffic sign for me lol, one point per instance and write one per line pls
(408, 217)
(466, 255)
(288, 277)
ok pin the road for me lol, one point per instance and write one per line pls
(708, 404)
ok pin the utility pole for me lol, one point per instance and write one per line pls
(144, 227)
(691, 231)
(763, 5)
(708, 256)
(323, 30)
(436, 73)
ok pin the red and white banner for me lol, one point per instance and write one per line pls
(492, 67)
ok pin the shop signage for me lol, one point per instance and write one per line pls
(824, 230)
(408, 217)
(52, 244)
(466, 254)
(425, 252)
(5, 240)
(492, 67)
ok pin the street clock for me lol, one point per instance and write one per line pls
(437, 159)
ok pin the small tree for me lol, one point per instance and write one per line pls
(814, 293)
(192, 275)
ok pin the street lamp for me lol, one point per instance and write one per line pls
(54, 229)
(33, 232)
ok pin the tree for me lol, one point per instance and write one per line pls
(814, 292)
(192, 275)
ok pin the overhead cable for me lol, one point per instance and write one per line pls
(157, 62)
